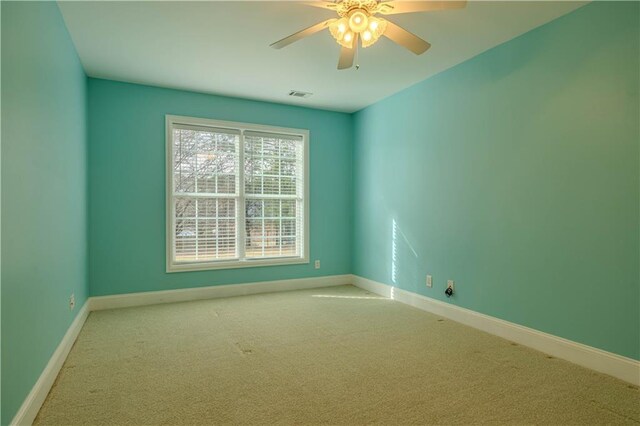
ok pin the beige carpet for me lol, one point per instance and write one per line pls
(335, 355)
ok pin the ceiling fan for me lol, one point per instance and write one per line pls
(358, 22)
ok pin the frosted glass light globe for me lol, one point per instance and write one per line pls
(358, 21)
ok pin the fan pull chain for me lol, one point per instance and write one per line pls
(357, 54)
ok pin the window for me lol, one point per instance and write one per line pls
(237, 195)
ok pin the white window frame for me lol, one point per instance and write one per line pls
(173, 266)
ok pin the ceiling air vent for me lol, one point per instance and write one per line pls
(299, 94)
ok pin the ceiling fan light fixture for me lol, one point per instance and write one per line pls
(357, 23)
(374, 32)
(341, 32)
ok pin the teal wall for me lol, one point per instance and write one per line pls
(44, 185)
(127, 186)
(516, 174)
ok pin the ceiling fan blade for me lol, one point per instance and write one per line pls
(301, 34)
(347, 55)
(322, 4)
(405, 39)
(395, 7)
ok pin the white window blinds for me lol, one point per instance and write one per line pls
(205, 193)
(224, 215)
(273, 194)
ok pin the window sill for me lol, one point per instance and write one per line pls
(233, 264)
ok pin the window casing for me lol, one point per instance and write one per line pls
(237, 194)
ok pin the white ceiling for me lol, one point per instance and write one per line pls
(222, 47)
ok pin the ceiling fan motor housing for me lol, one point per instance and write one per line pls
(346, 7)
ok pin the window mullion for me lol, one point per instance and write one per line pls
(240, 204)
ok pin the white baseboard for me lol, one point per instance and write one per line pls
(212, 292)
(623, 368)
(31, 405)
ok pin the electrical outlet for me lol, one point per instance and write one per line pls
(429, 281)
(450, 284)
(72, 302)
(317, 264)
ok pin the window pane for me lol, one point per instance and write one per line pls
(254, 208)
(205, 229)
(288, 186)
(272, 228)
(271, 185)
(226, 207)
(205, 161)
(272, 208)
(270, 146)
(288, 208)
(185, 207)
(207, 207)
(226, 184)
(273, 171)
(287, 167)
(272, 166)
(288, 149)
(289, 247)
(288, 228)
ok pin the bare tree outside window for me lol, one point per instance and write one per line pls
(271, 188)
(205, 176)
